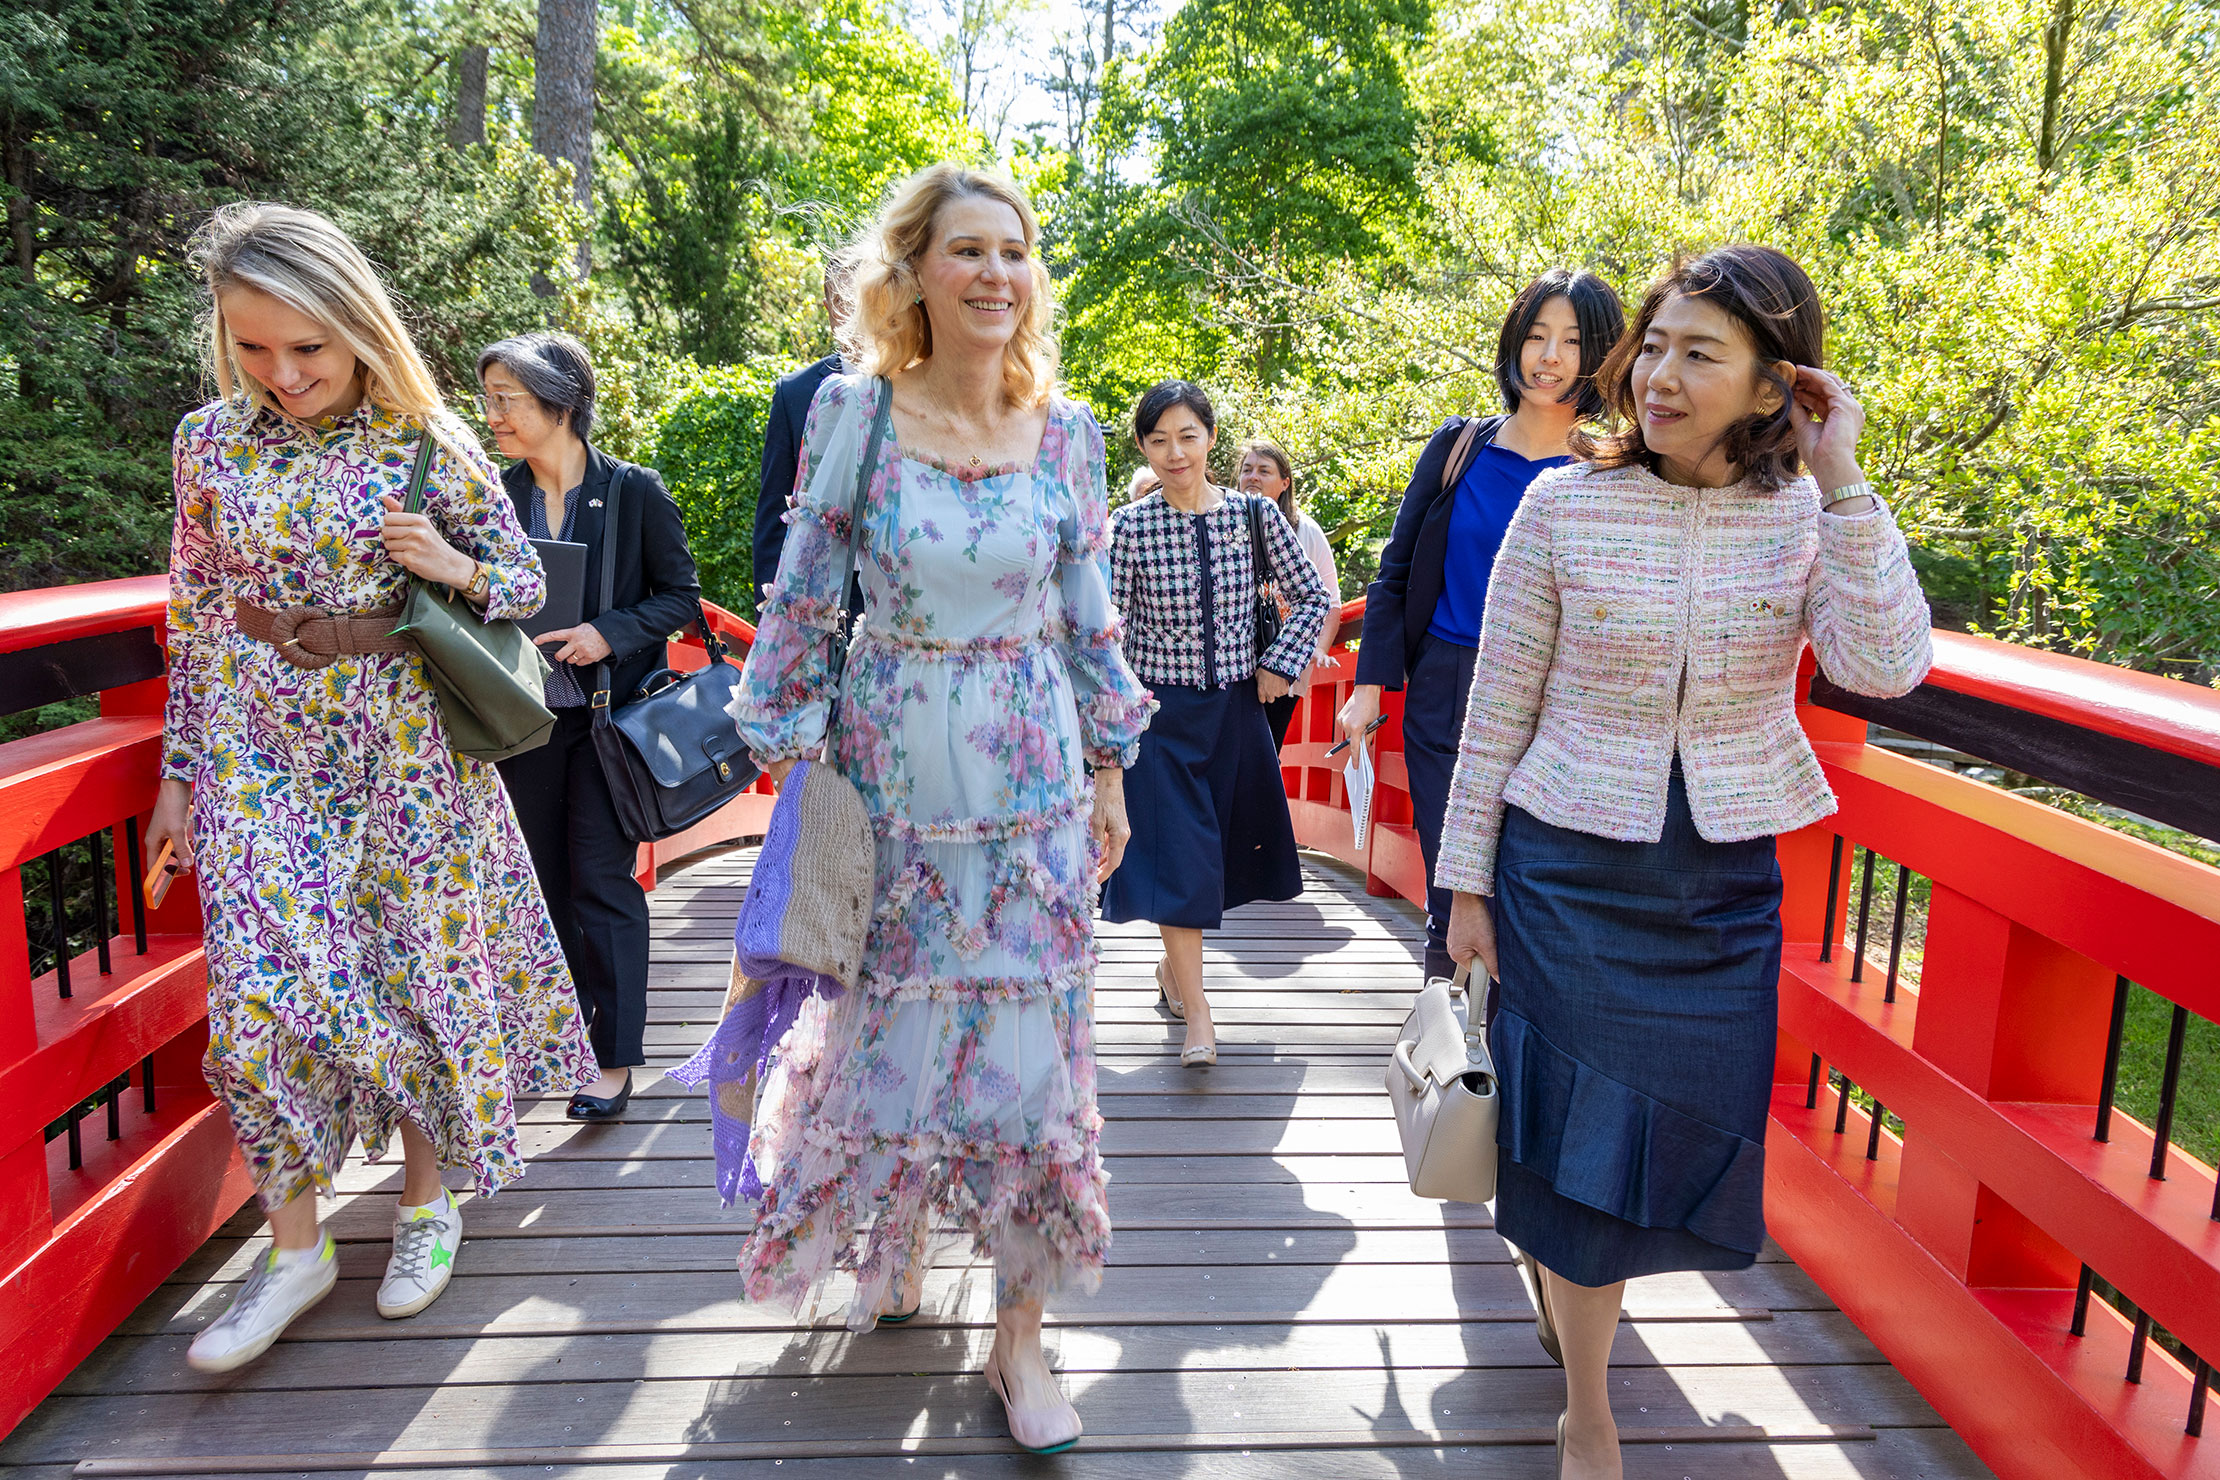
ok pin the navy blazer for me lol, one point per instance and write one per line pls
(782, 456)
(657, 590)
(1399, 604)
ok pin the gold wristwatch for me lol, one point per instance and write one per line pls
(481, 581)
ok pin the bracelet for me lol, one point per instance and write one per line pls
(1846, 493)
(481, 580)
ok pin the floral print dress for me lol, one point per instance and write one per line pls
(958, 1082)
(377, 945)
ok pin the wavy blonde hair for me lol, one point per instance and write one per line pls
(302, 259)
(887, 328)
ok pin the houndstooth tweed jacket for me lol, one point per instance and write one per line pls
(1629, 617)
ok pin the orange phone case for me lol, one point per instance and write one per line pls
(158, 877)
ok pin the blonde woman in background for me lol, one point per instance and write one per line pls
(1265, 470)
(957, 1084)
(379, 958)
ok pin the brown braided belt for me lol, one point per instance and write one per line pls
(310, 637)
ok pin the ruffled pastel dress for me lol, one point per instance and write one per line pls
(957, 1083)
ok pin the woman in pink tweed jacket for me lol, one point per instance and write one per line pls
(1629, 752)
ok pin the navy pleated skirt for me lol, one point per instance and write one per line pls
(1635, 1038)
(1208, 812)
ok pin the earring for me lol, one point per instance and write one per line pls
(920, 298)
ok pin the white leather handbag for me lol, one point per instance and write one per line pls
(1442, 1084)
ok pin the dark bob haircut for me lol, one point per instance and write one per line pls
(1597, 312)
(1162, 397)
(555, 369)
(1773, 299)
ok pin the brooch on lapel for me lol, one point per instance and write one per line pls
(593, 503)
(1762, 605)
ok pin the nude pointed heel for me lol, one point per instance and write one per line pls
(1164, 993)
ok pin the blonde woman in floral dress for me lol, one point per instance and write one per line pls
(958, 1083)
(379, 958)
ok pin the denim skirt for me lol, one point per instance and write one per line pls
(1208, 811)
(1635, 1038)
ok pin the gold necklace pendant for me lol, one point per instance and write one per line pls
(975, 460)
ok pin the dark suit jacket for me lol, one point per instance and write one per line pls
(657, 591)
(782, 453)
(1399, 604)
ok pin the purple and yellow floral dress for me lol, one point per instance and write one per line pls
(377, 945)
(958, 1083)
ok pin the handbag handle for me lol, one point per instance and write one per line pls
(413, 502)
(600, 700)
(880, 420)
(1260, 554)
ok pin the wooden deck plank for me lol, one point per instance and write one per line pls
(1278, 1304)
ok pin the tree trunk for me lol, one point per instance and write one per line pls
(563, 87)
(468, 126)
(2056, 37)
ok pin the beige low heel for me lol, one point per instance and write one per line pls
(1164, 993)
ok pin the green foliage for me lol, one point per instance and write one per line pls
(2012, 222)
(710, 453)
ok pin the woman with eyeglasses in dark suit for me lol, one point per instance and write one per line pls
(538, 400)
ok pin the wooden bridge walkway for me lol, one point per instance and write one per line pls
(1279, 1305)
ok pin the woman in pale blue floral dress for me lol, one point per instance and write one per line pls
(379, 958)
(958, 1083)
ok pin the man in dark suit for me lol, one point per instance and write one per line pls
(782, 436)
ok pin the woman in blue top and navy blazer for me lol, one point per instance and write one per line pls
(1422, 615)
(539, 403)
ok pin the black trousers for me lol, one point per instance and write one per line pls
(584, 862)
(1433, 724)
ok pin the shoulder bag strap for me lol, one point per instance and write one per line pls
(1260, 554)
(414, 502)
(608, 590)
(1461, 453)
(849, 577)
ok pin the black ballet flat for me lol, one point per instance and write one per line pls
(597, 1107)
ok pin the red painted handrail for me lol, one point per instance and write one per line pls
(81, 1247)
(1959, 1246)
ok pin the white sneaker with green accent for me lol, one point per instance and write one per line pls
(273, 1295)
(424, 1243)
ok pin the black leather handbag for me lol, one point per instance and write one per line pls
(1269, 618)
(672, 755)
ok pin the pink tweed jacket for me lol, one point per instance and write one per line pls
(1629, 617)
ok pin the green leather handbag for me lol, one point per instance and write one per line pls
(490, 679)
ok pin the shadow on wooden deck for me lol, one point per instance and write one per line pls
(1278, 1304)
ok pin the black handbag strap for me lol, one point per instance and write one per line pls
(849, 575)
(608, 591)
(1260, 554)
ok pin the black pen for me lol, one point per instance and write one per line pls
(1340, 745)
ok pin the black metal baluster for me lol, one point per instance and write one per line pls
(1811, 1091)
(1896, 931)
(2139, 1344)
(2200, 1378)
(1842, 1102)
(134, 865)
(54, 894)
(1865, 916)
(146, 1069)
(2112, 1059)
(2162, 1132)
(100, 867)
(2081, 1301)
(1834, 889)
(76, 1144)
(115, 1107)
(1873, 1133)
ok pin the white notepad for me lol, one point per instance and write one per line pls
(1358, 773)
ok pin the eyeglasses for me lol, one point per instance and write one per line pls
(497, 403)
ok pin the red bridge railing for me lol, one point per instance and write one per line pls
(115, 1161)
(1946, 1158)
